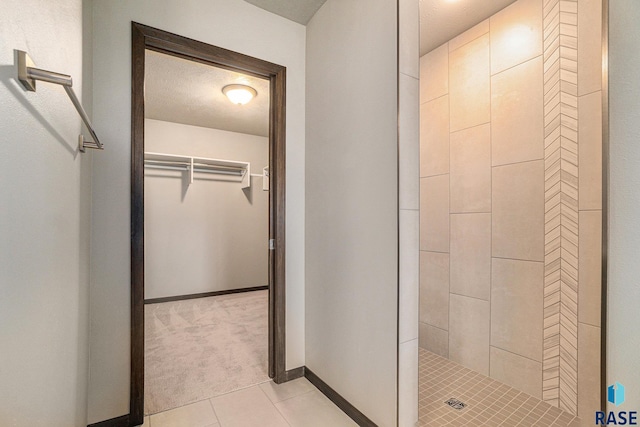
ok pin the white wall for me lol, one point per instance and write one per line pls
(211, 235)
(234, 25)
(44, 223)
(352, 203)
(623, 344)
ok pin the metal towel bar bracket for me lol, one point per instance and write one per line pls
(28, 74)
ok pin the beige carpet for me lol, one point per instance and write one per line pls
(200, 348)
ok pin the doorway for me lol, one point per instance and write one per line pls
(144, 40)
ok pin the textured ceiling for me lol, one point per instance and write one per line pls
(299, 11)
(442, 20)
(182, 91)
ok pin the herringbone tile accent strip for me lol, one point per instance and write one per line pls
(560, 358)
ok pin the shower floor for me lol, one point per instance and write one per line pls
(488, 402)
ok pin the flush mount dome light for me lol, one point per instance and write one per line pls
(239, 94)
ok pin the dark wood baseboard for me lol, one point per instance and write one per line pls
(342, 403)
(204, 294)
(293, 374)
(122, 421)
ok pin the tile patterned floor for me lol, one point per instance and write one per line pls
(489, 402)
(294, 404)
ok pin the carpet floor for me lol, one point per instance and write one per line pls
(201, 348)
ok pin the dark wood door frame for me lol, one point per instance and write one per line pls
(144, 37)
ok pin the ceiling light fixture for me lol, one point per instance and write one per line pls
(239, 94)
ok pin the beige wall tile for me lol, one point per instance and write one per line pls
(471, 170)
(590, 46)
(516, 34)
(409, 262)
(469, 84)
(517, 306)
(434, 137)
(469, 35)
(434, 339)
(471, 255)
(469, 332)
(588, 370)
(409, 37)
(517, 371)
(590, 151)
(434, 213)
(517, 122)
(434, 289)
(434, 74)
(518, 211)
(408, 143)
(590, 267)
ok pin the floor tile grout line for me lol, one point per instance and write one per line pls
(215, 414)
(526, 416)
(278, 409)
(513, 412)
(297, 395)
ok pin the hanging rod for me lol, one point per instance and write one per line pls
(28, 74)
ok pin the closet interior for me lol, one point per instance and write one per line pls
(206, 216)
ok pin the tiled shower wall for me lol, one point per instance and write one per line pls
(510, 200)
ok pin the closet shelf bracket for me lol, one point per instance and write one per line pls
(28, 74)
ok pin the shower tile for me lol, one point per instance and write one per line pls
(434, 137)
(517, 121)
(409, 275)
(588, 370)
(590, 267)
(490, 403)
(434, 339)
(408, 383)
(471, 255)
(469, 332)
(517, 371)
(590, 46)
(434, 74)
(469, 35)
(518, 211)
(409, 143)
(434, 289)
(469, 84)
(517, 307)
(516, 34)
(471, 170)
(434, 213)
(408, 38)
(590, 151)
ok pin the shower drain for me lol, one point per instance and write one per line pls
(456, 404)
